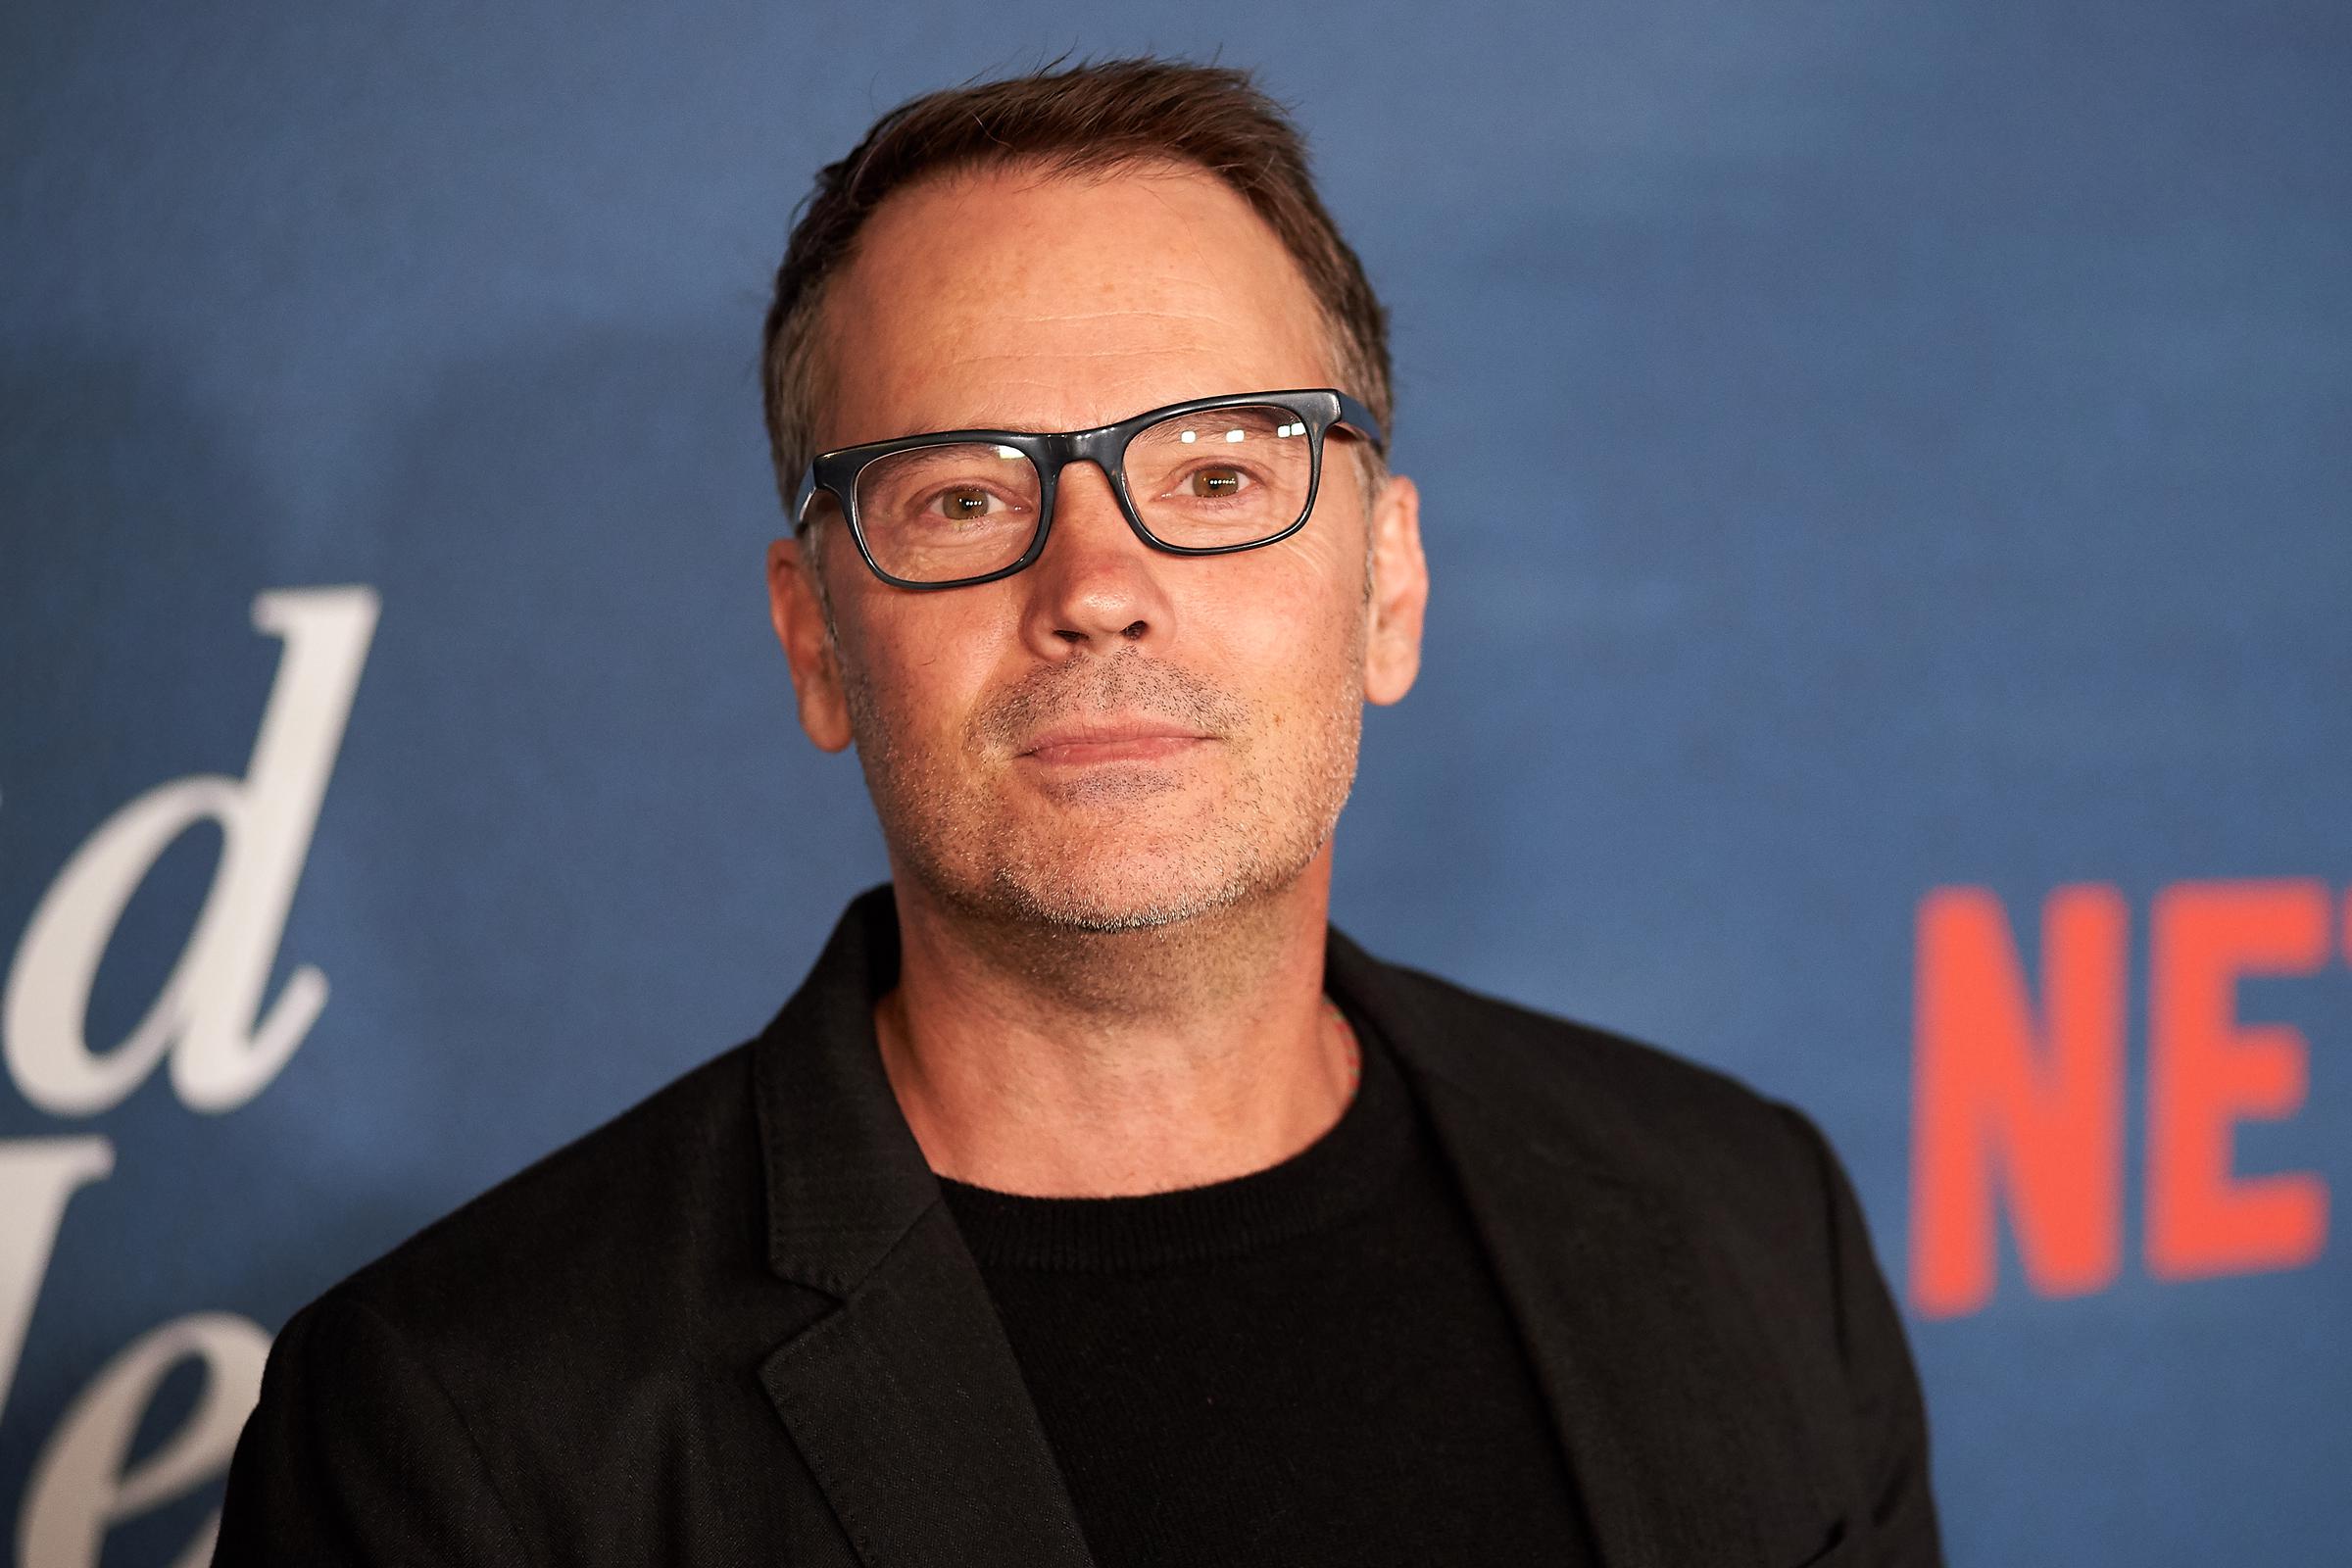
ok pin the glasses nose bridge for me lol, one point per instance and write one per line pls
(1105, 449)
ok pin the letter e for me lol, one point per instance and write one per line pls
(2207, 1072)
(79, 1487)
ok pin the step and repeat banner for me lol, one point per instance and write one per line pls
(1886, 474)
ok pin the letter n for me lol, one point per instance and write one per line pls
(2031, 1101)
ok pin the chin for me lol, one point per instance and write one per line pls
(1108, 880)
(1146, 872)
(1130, 898)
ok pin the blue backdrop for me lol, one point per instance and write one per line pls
(1869, 449)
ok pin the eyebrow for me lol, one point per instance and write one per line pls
(997, 419)
(992, 419)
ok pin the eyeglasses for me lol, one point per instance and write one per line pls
(1205, 477)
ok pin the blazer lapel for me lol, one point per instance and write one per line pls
(1601, 1274)
(905, 1398)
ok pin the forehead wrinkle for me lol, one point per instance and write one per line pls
(1165, 369)
(1132, 313)
(1093, 335)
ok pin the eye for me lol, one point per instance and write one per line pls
(1215, 484)
(965, 503)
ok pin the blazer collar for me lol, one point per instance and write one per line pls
(846, 1178)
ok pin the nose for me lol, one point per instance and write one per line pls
(1097, 586)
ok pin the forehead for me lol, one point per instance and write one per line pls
(1024, 299)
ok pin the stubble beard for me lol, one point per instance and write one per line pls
(1131, 849)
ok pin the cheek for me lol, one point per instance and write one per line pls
(1287, 622)
(914, 656)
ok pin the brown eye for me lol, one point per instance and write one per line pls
(963, 506)
(1216, 483)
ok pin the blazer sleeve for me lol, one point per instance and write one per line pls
(355, 1456)
(1890, 1415)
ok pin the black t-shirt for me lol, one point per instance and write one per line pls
(1308, 1364)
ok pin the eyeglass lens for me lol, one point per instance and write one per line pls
(1219, 477)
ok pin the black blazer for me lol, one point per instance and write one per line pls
(736, 1324)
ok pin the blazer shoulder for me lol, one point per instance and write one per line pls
(1604, 1099)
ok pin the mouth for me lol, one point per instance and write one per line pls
(1117, 738)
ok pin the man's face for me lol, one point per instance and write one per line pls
(1115, 737)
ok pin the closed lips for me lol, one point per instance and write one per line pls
(1139, 736)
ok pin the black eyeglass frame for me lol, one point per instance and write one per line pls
(1106, 447)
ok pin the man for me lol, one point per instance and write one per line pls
(1094, 1201)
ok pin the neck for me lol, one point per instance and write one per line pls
(1074, 1063)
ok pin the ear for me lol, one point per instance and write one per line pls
(1399, 592)
(800, 620)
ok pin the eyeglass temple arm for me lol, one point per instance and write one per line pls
(803, 498)
(1359, 418)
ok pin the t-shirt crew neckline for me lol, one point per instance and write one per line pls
(1343, 1174)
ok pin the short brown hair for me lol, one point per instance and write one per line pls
(1089, 116)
